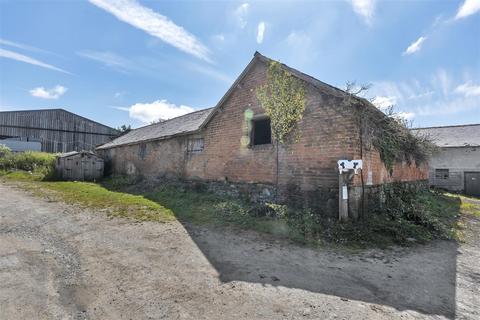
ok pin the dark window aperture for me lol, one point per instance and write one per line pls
(261, 132)
(442, 174)
(142, 151)
(195, 145)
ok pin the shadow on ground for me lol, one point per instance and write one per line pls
(420, 278)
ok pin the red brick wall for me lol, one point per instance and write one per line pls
(375, 172)
(161, 158)
(329, 132)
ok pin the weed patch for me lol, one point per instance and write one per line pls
(42, 164)
(408, 215)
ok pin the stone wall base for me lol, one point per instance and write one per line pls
(374, 197)
(323, 201)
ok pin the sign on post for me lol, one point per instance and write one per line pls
(345, 166)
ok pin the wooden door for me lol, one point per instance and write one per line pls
(472, 183)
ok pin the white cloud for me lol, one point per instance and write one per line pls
(109, 59)
(22, 46)
(240, 14)
(468, 89)
(300, 48)
(442, 80)
(443, 95)
(468, 8)
(148, 67)
(211, 72)
(415, 46)
(444, 107)
(365, 9)
(260, 32)
(219, 37)
(155, 24)
(421, 95)
(404, 115)
(299, 39)
(383, 103)
(159, 109)
(44, 93)
(22, 58)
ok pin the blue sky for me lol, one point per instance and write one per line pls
(131, 62)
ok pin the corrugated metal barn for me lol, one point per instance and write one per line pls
(58, 130)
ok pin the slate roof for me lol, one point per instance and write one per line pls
(452, 136)
(195, 121)
(325, 87)
(185, 124)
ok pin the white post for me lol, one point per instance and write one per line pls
(342, 197)
(347, 169)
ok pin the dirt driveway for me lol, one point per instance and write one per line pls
(62, 262)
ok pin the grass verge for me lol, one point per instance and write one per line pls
(408, 217)
(94, 196)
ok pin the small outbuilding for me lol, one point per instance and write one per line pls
(79, 165)
(456, 165)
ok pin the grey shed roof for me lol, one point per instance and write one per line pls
(185, 124)
(72, 153)
(452, 136)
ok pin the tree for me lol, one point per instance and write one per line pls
(124, 129)
(283, 99)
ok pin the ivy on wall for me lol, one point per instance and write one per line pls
(391, 137)
(283, 99)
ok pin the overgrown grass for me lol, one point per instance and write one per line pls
(94, 196)
(408, 215)
(469, 205)
(39, 163)
(201, 207)
(426, 216)
(20, 175)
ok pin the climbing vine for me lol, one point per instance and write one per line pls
(395, 142)
(387, 131)
(283, 99)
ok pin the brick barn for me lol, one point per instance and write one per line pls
(216, 146)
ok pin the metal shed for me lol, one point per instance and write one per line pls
(57, 130)
(83, 165)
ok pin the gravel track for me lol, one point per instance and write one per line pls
(62, 262)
